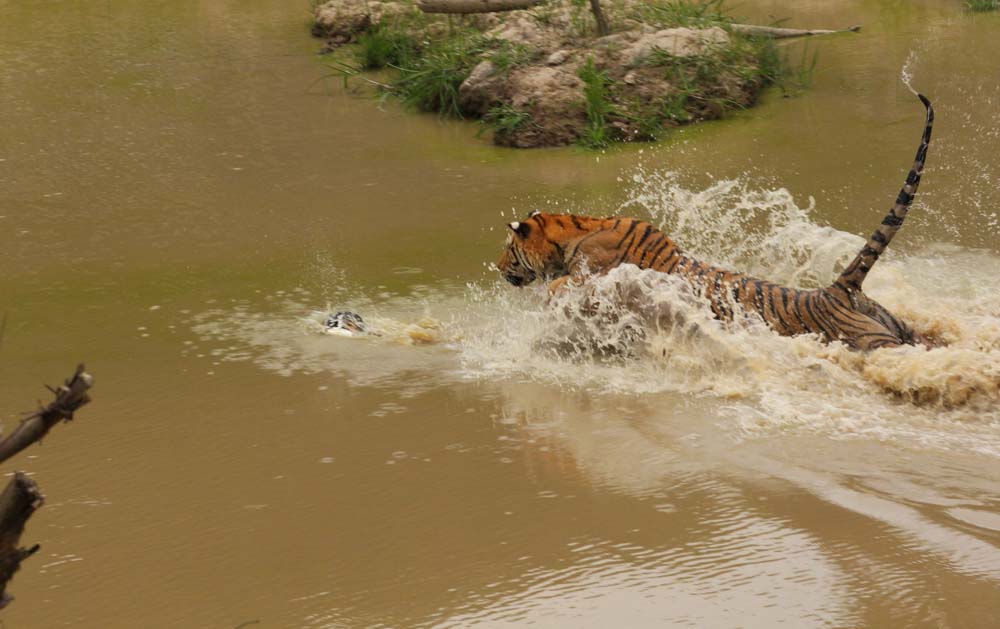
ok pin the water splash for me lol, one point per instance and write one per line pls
(639, 332)
(733, 225)
(284, 333)
(906, 73)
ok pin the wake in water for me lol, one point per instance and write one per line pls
(642, 332)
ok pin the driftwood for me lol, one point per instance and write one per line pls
(69, 397)
(22, 497)
(18, 501)
(459, 7)
(778, 33)
(474, 6)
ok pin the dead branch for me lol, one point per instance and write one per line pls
(779, 33)
(21, 498)
(603, 28)
(18, 501)
(69, 398)
(474, 6)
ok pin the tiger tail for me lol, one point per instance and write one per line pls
(853, 276)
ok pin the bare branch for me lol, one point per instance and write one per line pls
(18, 501)
(69, 398)
(474, 6)
(778, 33)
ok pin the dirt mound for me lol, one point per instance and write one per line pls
(541, 77)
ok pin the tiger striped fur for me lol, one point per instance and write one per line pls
(563, 247)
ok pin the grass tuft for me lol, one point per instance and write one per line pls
(982, 5)
(504, 120)
(791, 77)
(506, 55)
(597, 105)
(430, 82)
(689, 13)
(383, 47)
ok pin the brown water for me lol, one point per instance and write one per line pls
(180, 191)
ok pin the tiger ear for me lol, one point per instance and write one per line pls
(521, 229)
(534, 213)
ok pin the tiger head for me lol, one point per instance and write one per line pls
(531, 253)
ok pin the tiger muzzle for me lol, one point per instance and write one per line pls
(516, 280)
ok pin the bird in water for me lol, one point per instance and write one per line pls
(345, 323)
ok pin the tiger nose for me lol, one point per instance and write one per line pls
(516, 280)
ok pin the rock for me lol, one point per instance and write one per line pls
(342, 21)
(647, 85)
(483, 89)
(483, 21)
(388, 10)
(558, 58)
(616, 40)
(679, 42)
(519, 30)
(554, 98)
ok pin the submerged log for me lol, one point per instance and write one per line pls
(18, 501)
(474, 6)
(779, 33)
(69, 398)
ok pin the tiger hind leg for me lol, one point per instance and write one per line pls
(869, 333)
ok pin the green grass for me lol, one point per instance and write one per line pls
(504, 120)
(506, 55)
(753, 60)
(675, 106)
(696, 80)
(789, 75)
(430, 82)
(597, 105)
(429, 72)
(982, 5)
(381, 47)
(645, 120)
(689, 13)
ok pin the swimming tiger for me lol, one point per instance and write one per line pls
(561, 248)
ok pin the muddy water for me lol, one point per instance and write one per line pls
(182, 190)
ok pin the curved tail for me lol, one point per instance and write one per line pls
(853, 276)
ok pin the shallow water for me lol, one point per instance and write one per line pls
(182, 189)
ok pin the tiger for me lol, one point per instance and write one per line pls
(562, 249)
